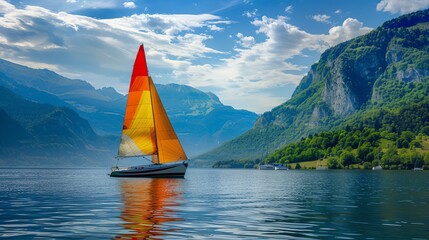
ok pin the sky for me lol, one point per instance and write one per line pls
(251, 53)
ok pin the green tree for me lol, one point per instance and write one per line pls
(391, 157)
(363, 151)
(408, 136)
(334, 163)
(347, 158)
(415, 144)
(425, 130)
(367, 165)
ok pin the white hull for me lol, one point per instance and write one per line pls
(266, 167)
(377, 168)
(281, 168)
(321, 168)
(168, 170)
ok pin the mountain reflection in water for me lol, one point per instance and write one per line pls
(148, 205)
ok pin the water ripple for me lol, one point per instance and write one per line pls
(214, 204)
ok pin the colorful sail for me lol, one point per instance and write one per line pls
(169, 147)
(138, 132)
(147, 129)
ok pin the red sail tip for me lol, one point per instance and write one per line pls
(140, 69)
(140, 66)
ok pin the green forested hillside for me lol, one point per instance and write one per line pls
(382, 70)
(398, 139)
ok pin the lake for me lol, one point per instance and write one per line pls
(215, 204)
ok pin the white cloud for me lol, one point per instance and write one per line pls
(102, 51)
(246, 41)
(285, 39)
(249, 74)
(129, 5)
(167, 24)
(338, 11)
(83, 47)
(94, 4)
(72, 5)
(258, 68)
(322, 18)
(289, 9)
(401, 6)
(214, 28)
(250, 14)
(6, 7)
(349, 29)
(254, 70)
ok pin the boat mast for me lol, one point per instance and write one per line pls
(153, 114)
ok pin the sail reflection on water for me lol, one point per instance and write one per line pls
(148, 205)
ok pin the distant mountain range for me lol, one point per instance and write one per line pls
(35, 134)
(47, 116)
(201, 121)
(385, 69)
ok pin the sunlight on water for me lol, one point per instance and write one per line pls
(215, 204)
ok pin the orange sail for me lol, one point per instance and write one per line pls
(169, 147)
(147, 129)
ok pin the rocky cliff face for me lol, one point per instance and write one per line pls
(349, 83)
(375, 70)
(349, 73)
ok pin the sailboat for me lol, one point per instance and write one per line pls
(378, 167)
(320, 166)
(266, 167)
(417, 168)
(147, 131)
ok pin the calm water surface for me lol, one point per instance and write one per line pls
(214, 204)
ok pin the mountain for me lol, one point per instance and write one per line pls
(386, 68)
(42, 134)
(201, 121)
(102, 108)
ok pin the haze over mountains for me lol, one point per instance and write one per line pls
(53, 117)
(52, 120)
(387, 68)
(35, 134)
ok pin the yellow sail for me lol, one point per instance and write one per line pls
(147, 129)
